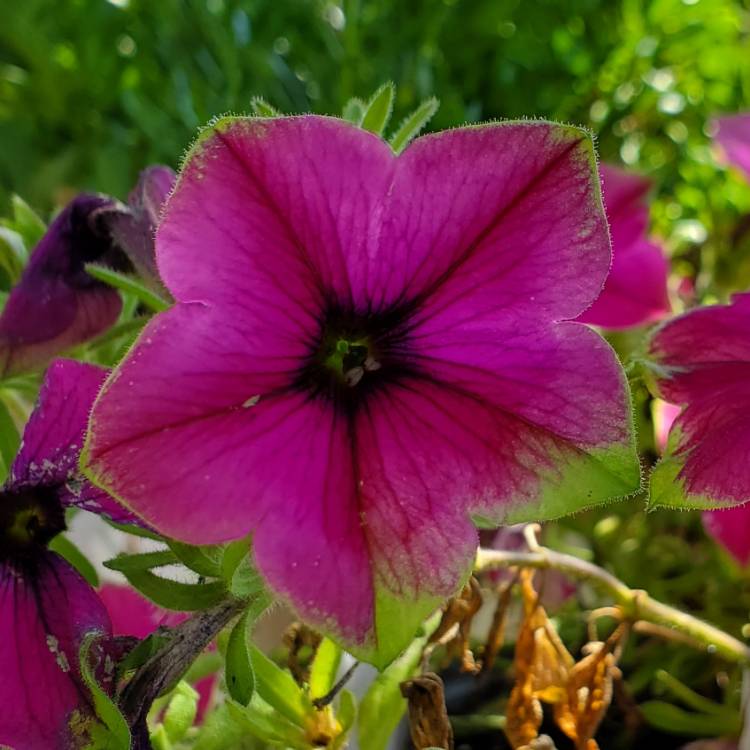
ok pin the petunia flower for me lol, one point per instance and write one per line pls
(702, 363)
(733, 135)
(635, 291)
(56, 304)
(132, 228)
(368, 351)
(46, 607)
(134, 615)
(730, 527)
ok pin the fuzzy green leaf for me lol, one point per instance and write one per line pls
(127, 284)
(240, 678)
(413, 124)
(378, 110)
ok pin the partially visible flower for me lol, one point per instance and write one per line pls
(134, 615)
(733, 135)
(46, 607)
(133, 229)
(366, 351)
(635, 291)
(56, 304)
(663, 415)
(702, 361)
(730, 527)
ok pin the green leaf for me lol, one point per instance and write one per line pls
(138, 531)
(263, 722)
(221, 731)
(278, 689)
(346, 713)
(205, 561)
(13, 255)
(240, 678)
(181, 711)
(675, 720)
(246, 581)
(383, 705)
(174, 595)
(324, 668)
(26, 222)
(378, 110)
(142, 561)
(413, 124)
(127, 284)
(65, 548)
(117, 730)
(9, 437)
(147, 648)
(261, 108)
(354, 110)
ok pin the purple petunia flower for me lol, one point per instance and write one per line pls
(730, 527)
(133, 229)
(635, 291)
(46, 607)
(703, 364)
(56, 304)
(367, 352)
(733, 135)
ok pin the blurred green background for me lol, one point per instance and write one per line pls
(93, 90)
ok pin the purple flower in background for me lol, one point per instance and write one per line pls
(730, 527)
(133, 229)
(56, 304)
(733, 135)
(702, 361)
(46, 607)
(635, 291)
(368, 351)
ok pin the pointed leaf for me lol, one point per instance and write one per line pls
(261, 108)
(383, 705)
(9, 437)
(412, 125)
(240, 678)
(324, 668)
(26, 222)
(127, 284)
(205, 561)
(379, 108)
(117, 730)
(278, 688)
(354, 110)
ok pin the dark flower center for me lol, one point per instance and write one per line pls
(30, 517)
(354, 354)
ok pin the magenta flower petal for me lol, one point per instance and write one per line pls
(731, 529)
(703, 360)
(733, 135)
(56, 304)
(133, 229)
(365, 354)
(636, 289)
(44, 617)
(53, 438)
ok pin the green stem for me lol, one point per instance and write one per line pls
(636, 604)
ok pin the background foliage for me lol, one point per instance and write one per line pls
(92, 91)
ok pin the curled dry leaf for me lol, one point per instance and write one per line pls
(296, 637)
(428, 718)
(589, 692)
(455, 626)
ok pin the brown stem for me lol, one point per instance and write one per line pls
(636, 604)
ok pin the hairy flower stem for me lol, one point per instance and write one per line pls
(635, 604)
(165, 668)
